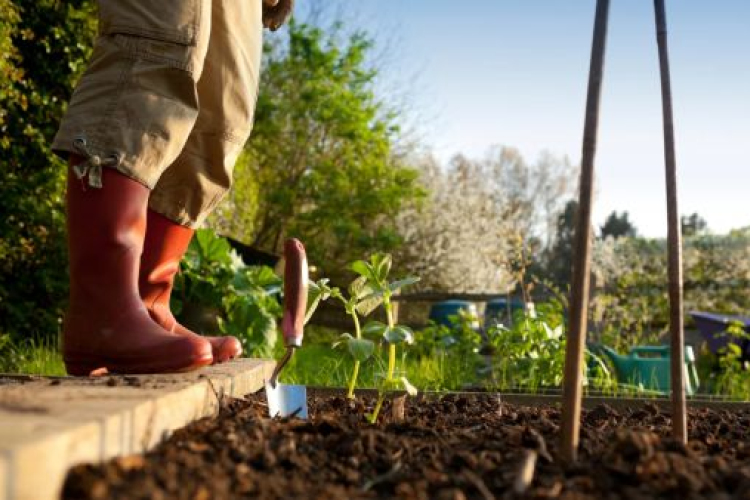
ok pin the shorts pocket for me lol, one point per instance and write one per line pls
(174, 21)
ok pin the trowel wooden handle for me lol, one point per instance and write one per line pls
(295, 292)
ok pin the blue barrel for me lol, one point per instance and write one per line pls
(501, 311)
(440, 312)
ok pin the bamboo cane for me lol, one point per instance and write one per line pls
(579, 293)
(674, 236)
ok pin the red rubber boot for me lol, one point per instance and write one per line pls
(165, 245)
(107, 325)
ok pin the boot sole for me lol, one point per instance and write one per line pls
(82, 366)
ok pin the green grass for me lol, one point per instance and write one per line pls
(315, 364)
(31, 358)
(321, 365)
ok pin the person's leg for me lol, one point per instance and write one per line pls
(128, 119)
(202, 174)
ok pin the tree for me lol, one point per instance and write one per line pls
(457, 239)
(532, 194)
(559, 257)
(618, 225)
(44, 45)
(323, 162)
(693, 224)
(484, 220)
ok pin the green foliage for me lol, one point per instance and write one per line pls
(321, 365)
(243, 298)
(323, 151)
(376, 287)
(631, 305)
(358, 302)
(618, 225)
(531, 353)
(732, 374)
(693, 225)
(558, 259)
(359, 349)
(31, 357)
(462, 338)
(366, 293)
(44, 46)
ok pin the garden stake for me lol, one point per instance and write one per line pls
(525, 472)
(674, 236)
(291, 400)
(579, 292)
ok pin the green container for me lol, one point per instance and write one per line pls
(649, 367)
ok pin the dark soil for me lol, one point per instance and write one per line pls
(454, 447)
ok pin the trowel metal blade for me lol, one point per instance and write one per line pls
(287, 400)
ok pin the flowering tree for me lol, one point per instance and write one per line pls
(483, 220)
(630, 304)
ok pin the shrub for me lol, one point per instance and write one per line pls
(45, 44)
(242, 300)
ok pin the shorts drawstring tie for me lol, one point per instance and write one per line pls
(93, 164)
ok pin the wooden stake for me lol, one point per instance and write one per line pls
(674, 236)
(579, 293)
(525, 475)
(398, 409)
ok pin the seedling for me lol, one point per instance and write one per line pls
(362, 300)
(377, 290)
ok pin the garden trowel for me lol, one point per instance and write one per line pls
(291, 400)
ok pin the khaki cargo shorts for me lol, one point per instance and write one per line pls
(168, 99)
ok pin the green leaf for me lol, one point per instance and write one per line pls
(265, 276)
(374, 328)
(357, 287)
(398, 334)
(344, 338)
(363, 269)
(382, 264)
(211, 247)
(361, 349)
(410, 389)
(316, 293)
(552, 333)
(236, 262)
(396, 285)
(369, 303)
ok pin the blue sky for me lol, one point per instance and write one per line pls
(514, 72)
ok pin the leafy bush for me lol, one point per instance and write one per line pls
(461, 338)
(324, 149)
(44, 45)
(631, 305)
(244, 300)
(530, 354)
(727, 373)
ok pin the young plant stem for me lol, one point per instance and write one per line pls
(391, 363)
(355, 373)
(353, 381)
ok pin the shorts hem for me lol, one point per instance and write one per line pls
(63, 147)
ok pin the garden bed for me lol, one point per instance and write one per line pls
(452, 447)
